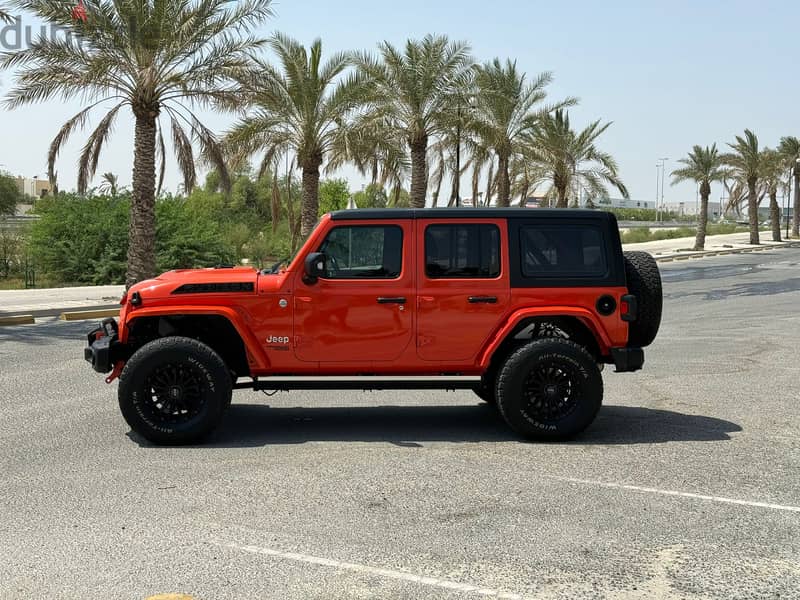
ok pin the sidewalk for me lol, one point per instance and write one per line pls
(52, 301)
(730, 243)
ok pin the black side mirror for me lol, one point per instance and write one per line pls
(316, 266)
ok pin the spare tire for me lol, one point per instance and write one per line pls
(644, 282)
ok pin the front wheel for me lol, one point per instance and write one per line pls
(550, 389)
(174, 391)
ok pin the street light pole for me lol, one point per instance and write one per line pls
(458, 157)
(795, 211)
(661, 165)
(663, 179)
(658, 174)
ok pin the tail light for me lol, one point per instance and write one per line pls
(628, 307)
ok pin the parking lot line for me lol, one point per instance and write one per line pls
(455, 586)
(651, 490)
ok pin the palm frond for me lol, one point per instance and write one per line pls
(87, 164)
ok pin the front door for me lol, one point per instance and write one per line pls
(362, 308)
(463, 286)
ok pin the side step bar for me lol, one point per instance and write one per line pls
(366, 383)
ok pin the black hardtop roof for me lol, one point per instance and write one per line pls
(357, 214)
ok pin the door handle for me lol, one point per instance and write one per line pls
(391, 300)
(482, 299)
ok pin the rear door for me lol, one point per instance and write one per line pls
(463, 288)
(362, 309)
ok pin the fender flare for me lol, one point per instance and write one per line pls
(252, 348)
(587, 317)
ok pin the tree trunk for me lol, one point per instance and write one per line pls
(752, 210)
(142, 224)
(702, 218)
(310, 210)
(276, 202)
(438, 177)
(796, 210)
(524, 193)
(290, 208)
(476, 174)
(295, 241)
(503, 181)
(489, 184)
(374, 178)
(419, 170)
(775, 215)
(562, 200)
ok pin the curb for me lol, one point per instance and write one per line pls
(89, 314)
(17, 320)
(707, 253)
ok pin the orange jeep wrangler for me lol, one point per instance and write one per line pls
(522, 306)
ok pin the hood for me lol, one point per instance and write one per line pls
(215, 281)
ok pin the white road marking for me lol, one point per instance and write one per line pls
(650, 490)
(388, 573)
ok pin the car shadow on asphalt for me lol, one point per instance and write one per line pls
(251, 425)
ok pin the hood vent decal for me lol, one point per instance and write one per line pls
(215, 288)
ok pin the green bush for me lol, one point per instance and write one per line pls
(333, 195)
(10, 195)
(80, 240)
(186, 238)
(645, 234)
(12, 248)
(85, 240)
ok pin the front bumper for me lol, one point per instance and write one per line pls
(627, 359)
(103, 349)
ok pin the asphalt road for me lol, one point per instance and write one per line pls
(686, 486)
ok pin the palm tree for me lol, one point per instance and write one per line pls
(507, 107)
(525, 175)
(303, 105)
(703, 166)
(160, 60)
(414, 90)
(773, 172)
(377, 150)
(110, 184)
(789, 148)
(5, 17)
(745, 162)
(570, 160)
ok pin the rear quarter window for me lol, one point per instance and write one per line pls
(571, 251)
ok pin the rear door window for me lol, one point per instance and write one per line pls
(465, 251)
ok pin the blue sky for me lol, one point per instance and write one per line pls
(668, 74)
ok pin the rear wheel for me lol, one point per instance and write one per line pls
(550, 389)
(174, 391)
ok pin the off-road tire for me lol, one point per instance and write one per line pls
(571, 367)
(203, 380)
(644, 282)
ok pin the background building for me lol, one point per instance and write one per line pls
(33, 187)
